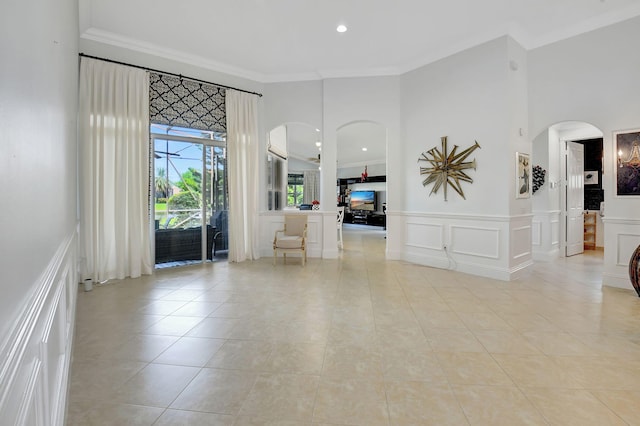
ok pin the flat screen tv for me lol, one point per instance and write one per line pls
(363, 200)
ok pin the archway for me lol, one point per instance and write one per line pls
(361, 173)
(549, 206)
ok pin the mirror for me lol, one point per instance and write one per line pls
(295, 181)
(302, 143)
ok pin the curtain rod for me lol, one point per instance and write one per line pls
(169, 73)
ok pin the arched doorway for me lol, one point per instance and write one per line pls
(361, 174)
(552, 226)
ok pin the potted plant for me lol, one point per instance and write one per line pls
(315, 205)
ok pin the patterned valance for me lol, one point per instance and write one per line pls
(185, 103)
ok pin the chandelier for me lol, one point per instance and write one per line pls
(633, 160)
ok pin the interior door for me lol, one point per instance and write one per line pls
(574, 164)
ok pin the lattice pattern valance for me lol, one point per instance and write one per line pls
(185, 103)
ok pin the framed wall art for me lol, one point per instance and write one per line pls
(523, 175)
(591, 177)
(627, 145)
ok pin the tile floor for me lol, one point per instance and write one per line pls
(357, 341)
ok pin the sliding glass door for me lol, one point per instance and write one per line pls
(189, 196)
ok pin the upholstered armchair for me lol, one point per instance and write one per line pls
(292, 238)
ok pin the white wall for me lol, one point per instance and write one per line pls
(38, 98)
(463, 97)
(471, 96)
(593, 77)
(295, 102)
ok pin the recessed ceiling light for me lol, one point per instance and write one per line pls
(364, 149)
(318, 143)
(317, 130)
(341, 28)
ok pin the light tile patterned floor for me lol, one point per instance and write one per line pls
(357, 341)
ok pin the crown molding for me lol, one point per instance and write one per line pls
(112, 39)
(595, 23)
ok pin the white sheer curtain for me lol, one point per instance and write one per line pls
(242, 169)
(114, 171)
(311, 186)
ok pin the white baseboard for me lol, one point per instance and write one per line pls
(617, 281)
(486, 271)
(546, 256)
(330, 254)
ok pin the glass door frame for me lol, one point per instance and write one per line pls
(205, 143)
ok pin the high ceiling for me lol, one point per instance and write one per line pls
(288, 40)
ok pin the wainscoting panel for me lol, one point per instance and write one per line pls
(536, 233)
(555, 232)
(545, 235)
(621, 237)
(473, 244)
(37, 355)
(425, 235)
(521, 242)
(475, 241)
(625, 246)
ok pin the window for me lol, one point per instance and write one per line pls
(295, 191)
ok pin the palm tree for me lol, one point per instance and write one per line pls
(162, 184)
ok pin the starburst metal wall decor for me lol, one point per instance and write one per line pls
(447, 168)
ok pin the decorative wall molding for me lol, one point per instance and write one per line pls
(112, 39)
(536, 232)
(458, 216)
(420, 234)
(555, 232)
(545, 235)
(478, 245)
(626, 243)
(521, 242)
(547, 213)
(621, 221)
(475, 241)
(37, 353)
(475, 244)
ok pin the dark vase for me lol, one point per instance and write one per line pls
(634, 273)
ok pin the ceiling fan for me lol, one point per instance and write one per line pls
(314, 159)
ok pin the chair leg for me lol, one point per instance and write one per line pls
(275, 257)
(340, 232)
